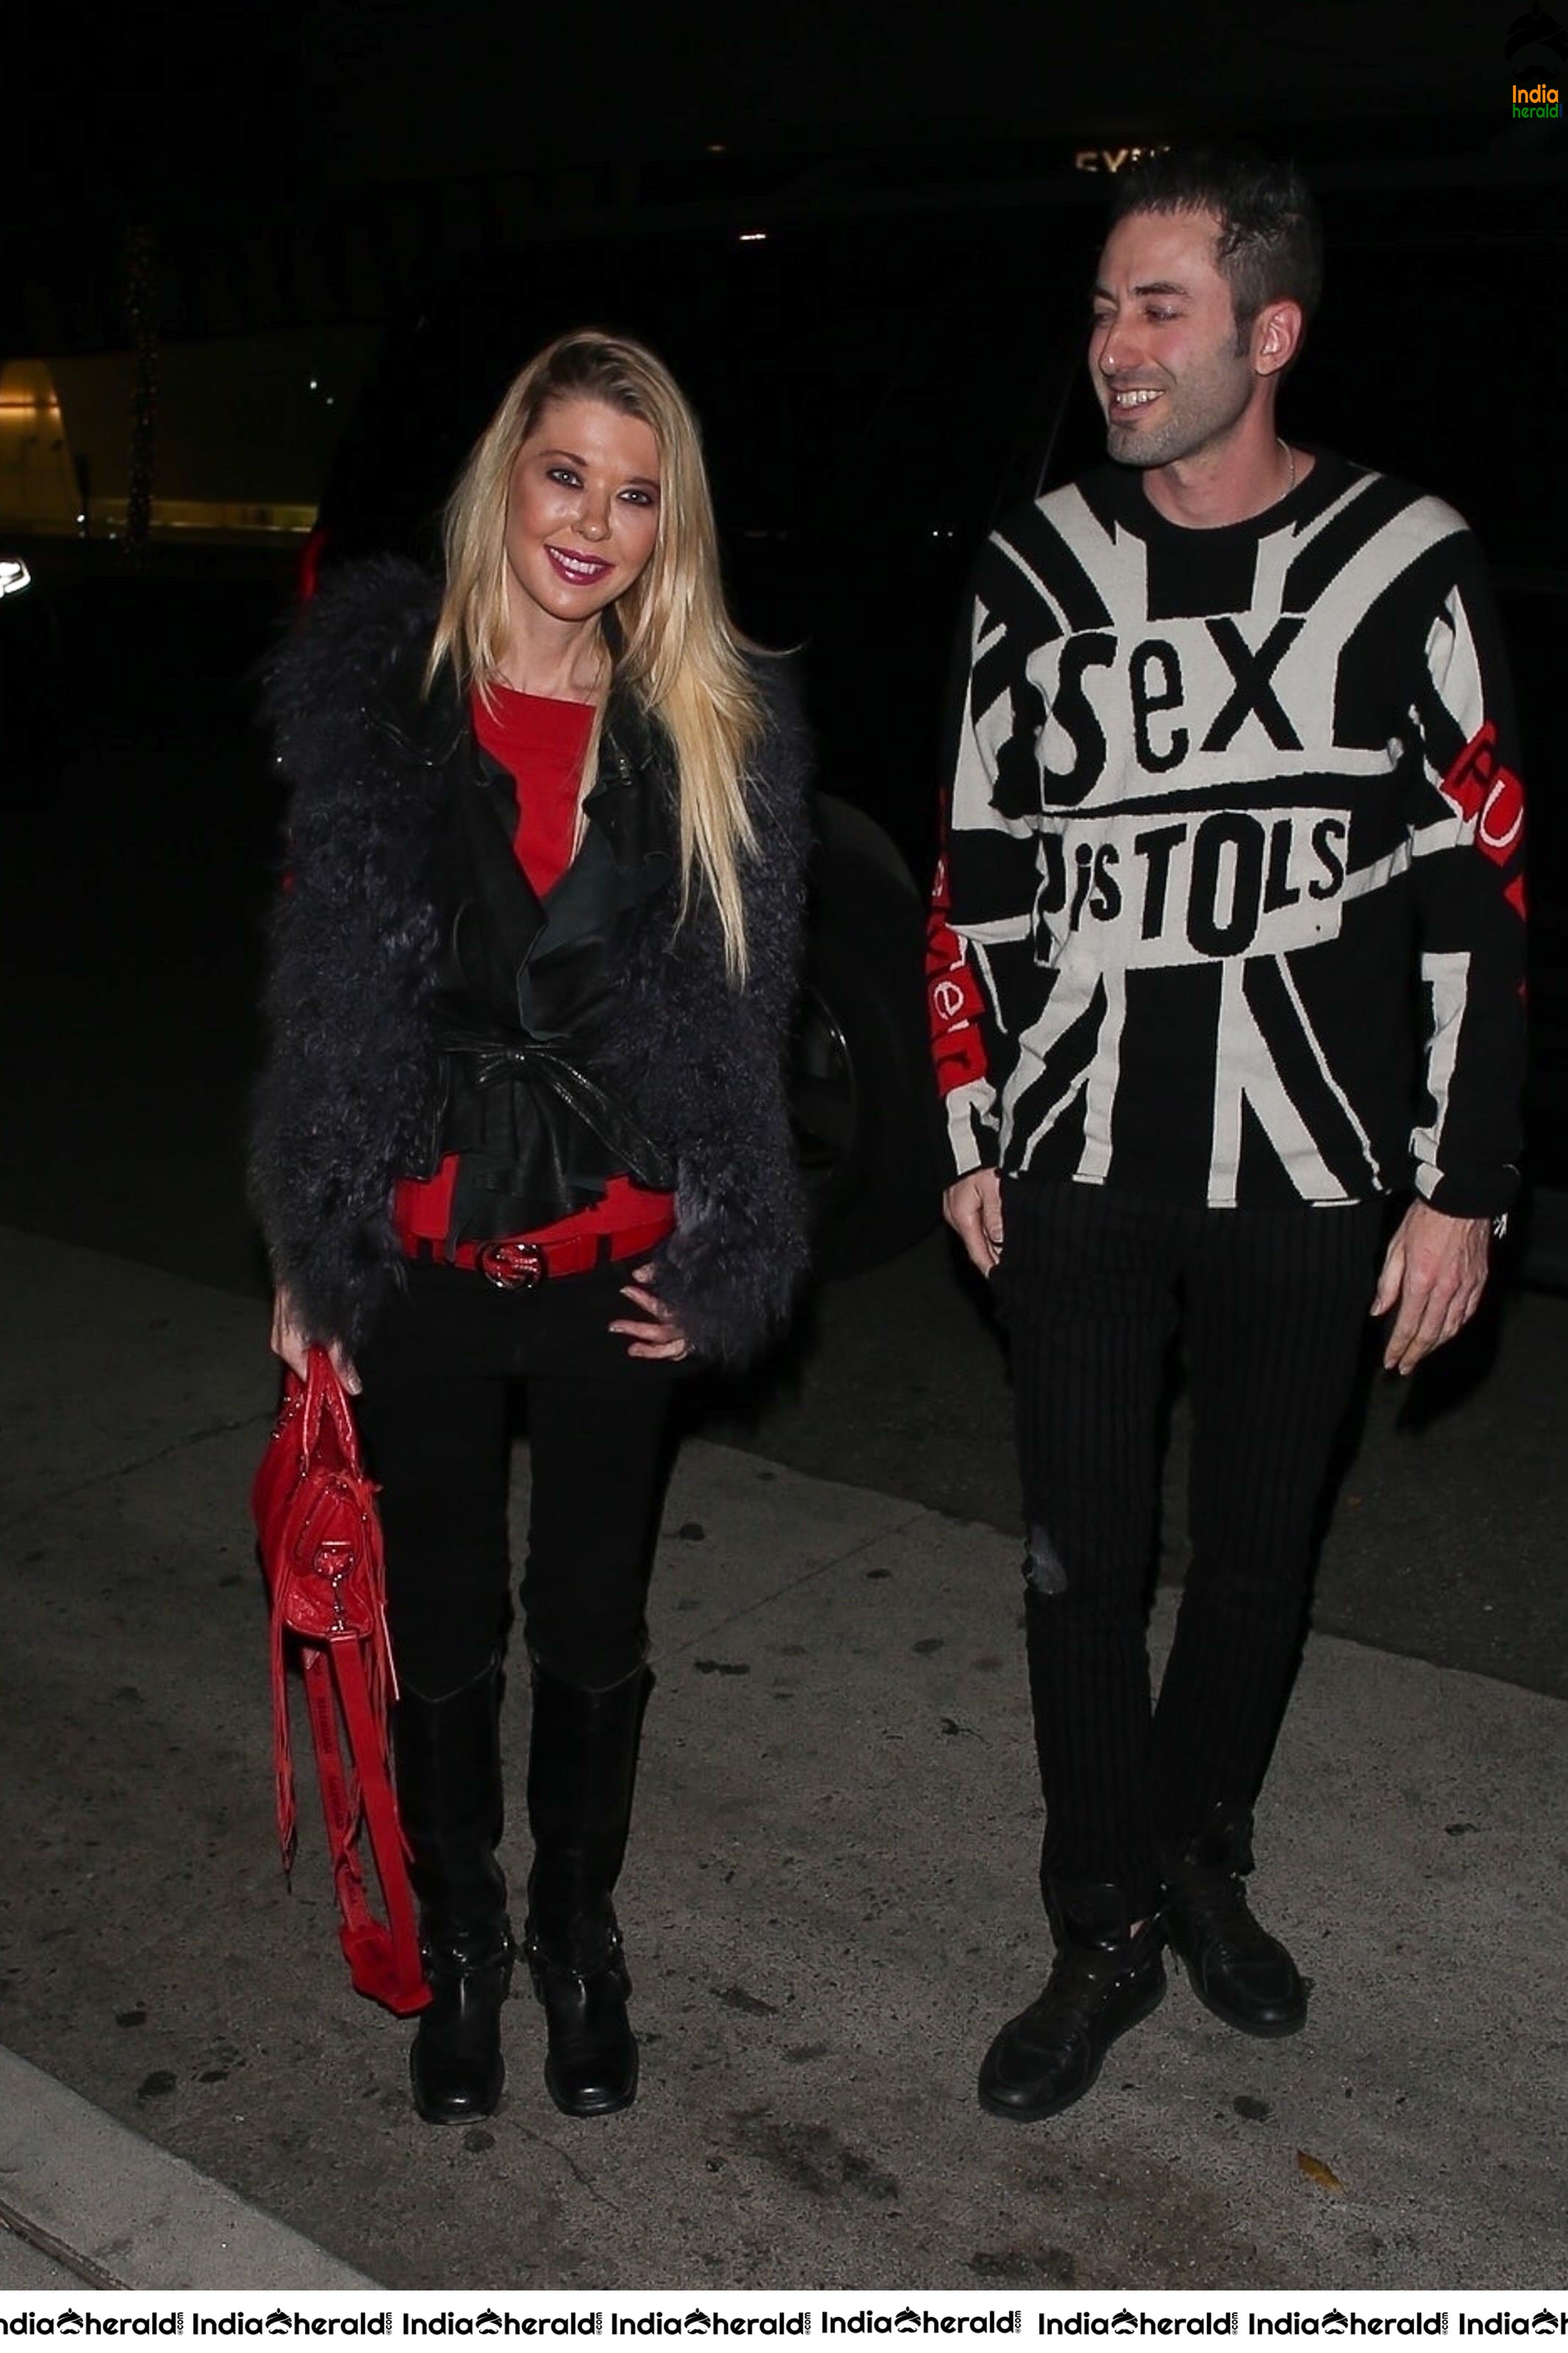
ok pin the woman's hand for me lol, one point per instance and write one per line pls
(660, 1336)
(292, 1343)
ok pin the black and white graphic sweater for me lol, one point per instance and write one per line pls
(1231, 905)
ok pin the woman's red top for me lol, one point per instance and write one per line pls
(543, 742)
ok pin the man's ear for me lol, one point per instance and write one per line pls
(1277, 334)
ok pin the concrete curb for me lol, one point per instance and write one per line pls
(86, 2202)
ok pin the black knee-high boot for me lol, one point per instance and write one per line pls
(581, 1765)
(448, 1754)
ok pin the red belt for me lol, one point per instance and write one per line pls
(514, 1263)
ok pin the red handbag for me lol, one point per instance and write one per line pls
(320, 1540)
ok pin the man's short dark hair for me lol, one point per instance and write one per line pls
(1270, 247)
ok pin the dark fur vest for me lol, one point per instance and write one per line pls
(343, 1104)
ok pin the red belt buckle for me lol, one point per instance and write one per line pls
(513, 1266)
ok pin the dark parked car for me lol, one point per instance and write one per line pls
(877, 384)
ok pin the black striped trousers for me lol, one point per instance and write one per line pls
(1272, 1308)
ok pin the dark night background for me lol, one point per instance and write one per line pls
(338, 124)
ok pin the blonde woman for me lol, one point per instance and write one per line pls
(523, 1121)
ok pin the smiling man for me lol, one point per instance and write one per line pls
(1235, 789)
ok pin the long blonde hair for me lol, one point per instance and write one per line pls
(680, 654)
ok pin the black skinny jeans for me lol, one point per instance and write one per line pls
(1273, 1307)
(438, 1370)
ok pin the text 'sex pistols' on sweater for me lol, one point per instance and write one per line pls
(1218, 797)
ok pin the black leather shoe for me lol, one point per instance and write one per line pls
(1237, 1971)
(1048, 2056)
(456, 2065)
(590, 2064)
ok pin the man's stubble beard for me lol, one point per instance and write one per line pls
(1196, 417)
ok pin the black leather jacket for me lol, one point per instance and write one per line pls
(525, 1000)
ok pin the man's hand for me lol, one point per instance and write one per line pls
(972, 1207)
(1434, 1274)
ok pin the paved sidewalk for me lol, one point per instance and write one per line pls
(828, 1909)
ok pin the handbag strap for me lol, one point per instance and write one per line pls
(325, 1395)
(383, 1959)
(380, 1814)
